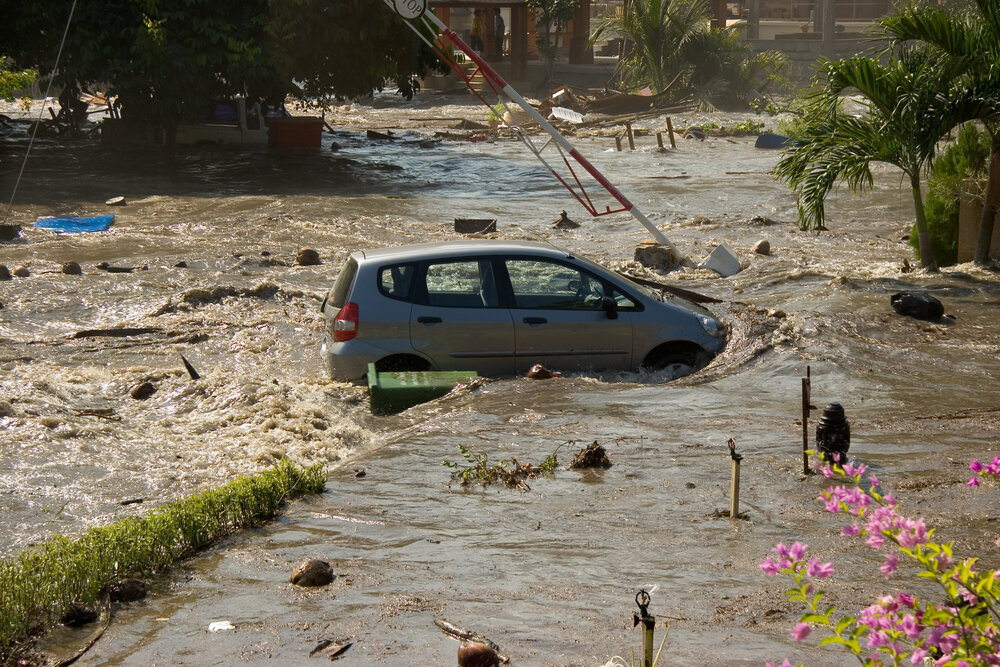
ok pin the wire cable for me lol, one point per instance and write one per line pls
(38, 121)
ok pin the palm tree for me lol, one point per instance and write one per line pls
(726, 72)
(906, 100)
(656, 31)
(971, 40)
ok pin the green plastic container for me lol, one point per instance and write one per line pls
(389, 393)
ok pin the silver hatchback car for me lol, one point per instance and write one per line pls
(500, 307)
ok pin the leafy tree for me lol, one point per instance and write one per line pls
(971, 40)
(551, 16)
(658, 32)
(11, 80)
(166, 60)
(907, 101)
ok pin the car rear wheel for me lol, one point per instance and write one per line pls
(678, 359)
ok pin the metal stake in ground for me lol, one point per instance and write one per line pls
(734, 484)
(806, 391)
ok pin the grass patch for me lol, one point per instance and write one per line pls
(39, 584)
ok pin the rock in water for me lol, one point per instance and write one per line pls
(477, 654)
(918, 305)
(142, 391)
(78, 614)
(307, 257)
(656, 256)
(9, 232)
(22, 271)
(127, 590)
(565, 223)
(72, 269)
(4, 272)
(762, 247)
(312, 572)
(539, 372)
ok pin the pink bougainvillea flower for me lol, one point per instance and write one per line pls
(797, 551)
(973, 482)
(875, 541)
(976, 466)
(801, 631)
(769, 566)
(873, 480)
(905, 599)
(819, 570)
(850, 531)
(889, 566)
(918, 655)
(784, 663)
(969, 597)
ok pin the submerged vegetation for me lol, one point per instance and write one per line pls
(510, 472)
(39, 584)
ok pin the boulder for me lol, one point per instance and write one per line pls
(127, 590)
(539, 372)
(71, 269)
(142, 391)
(307, 257)
(918, 305)
(762, 247)
(656, 256)
(9, 232)
(477, 654)
(312, 572)
(21, 271)
(4, 272)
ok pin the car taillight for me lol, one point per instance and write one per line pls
(345, 324)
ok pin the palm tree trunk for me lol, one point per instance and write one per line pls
(927, 260)
(985, 238)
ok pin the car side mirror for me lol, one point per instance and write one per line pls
(610, 307)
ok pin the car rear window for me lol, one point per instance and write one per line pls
(396, 280)
(338, 296)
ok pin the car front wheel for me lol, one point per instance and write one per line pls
(679, 360)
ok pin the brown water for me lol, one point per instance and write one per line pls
(550, 574)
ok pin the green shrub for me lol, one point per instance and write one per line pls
(965, 158)
(39, 584)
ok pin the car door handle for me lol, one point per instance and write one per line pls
(428, 319)
(535, 320)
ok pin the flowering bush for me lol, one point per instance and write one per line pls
(958, 630)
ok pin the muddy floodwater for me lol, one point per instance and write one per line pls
(550, 574)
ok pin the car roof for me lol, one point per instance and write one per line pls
(462, 248)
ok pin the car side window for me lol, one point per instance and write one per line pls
(461, 284)
(396, 281)
(551, 285)
(624, 301)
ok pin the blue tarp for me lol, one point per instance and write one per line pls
(76, 224)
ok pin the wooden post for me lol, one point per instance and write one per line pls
(618, 142)
(670, 132)
(805, 422)
(647, 643)
(659, 140)
(628, 131)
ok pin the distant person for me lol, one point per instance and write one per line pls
(499, 28)
(477, 30)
